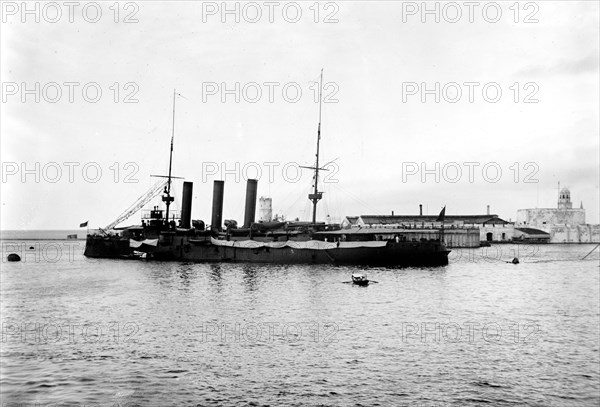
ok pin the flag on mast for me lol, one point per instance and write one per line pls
(84, 224)
(442, 215)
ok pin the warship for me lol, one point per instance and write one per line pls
(171, 236)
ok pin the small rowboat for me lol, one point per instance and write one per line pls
(360, 279)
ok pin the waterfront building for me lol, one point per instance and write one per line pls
(564, 223)
(459, 230)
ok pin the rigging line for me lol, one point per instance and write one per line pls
(356, 198)
(300, 205)
(296, 201)
(306, 211)
(287, 197)
(591, 251)
(329, 162)
(326, 207)
(333, 199)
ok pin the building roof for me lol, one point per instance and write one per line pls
(399, 219)
(352, 219)
(532, 231)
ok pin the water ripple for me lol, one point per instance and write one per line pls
(472, 333)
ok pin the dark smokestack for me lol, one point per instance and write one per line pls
(488, 209)
(420, 209)
(186, 205)
(217, 207)
(250, 211)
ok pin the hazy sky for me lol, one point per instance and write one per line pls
(385, 63)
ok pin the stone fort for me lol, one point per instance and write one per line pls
(565, 224)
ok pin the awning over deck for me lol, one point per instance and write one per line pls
(150, 242)
(310, 244)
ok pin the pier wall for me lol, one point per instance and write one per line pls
(466, 237)
(454, 237)
(573, 234)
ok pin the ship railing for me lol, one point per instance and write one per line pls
(147, 214)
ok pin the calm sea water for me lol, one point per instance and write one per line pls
(479, 331)
(22, 235)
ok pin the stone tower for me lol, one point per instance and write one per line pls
(564, 199)
(265, 209)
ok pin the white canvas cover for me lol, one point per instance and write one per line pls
(150, 242)
(350, 245)
(310, 244)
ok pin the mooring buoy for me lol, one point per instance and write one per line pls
(13, 257)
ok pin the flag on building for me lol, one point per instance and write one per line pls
(442, 215)
(84, 224)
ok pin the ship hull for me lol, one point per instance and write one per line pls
(107, 247)
(393, 254)
(182, 248)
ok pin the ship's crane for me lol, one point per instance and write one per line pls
(156, 189)
(139, 203)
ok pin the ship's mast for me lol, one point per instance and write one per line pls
(316, 195)
(167, 198)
